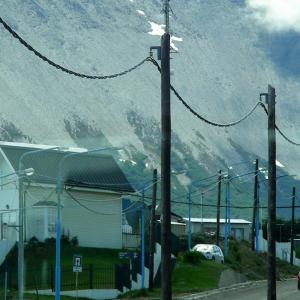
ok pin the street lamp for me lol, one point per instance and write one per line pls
(227, 225)
(30, 171)
(190, 203)
(58, 215)
(227, 208)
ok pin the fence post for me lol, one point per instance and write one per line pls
(10, 282)
(91, 276)
(51, 278)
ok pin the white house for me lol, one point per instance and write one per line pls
(93, 186)
(240, 228)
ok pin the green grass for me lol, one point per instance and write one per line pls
(40, 259)
(187, 278)
(195, 278)
(36, 256)
(14, 296)
(242, 259)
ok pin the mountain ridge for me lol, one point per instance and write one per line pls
(220, 70)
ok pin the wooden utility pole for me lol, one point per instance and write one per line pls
(152, 231)
(218, 208)
(255, 207)
(271, 195)
(190, 222)
(166, 287)
(292, 227)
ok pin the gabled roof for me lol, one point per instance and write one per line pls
(45, 204)
(97, 171)
(213, 220)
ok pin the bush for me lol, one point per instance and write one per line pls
(33, 241)
(50, 241)
(65, 239)
(197, 238)
(193, 257)
(74, 241)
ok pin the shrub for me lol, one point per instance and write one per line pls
(74, 241)
(193, 257)
(33, 241)
(298, 252)
(65, 239)
(50, 241)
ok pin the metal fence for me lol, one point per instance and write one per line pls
(91, 277)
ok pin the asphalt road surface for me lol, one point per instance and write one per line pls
(285, 290)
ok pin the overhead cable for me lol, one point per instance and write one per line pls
(86, 207)
(278, 129)
(231, 206)
(61, 68)
(198, 115)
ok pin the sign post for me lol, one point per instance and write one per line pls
(77, 267)
(130, 256)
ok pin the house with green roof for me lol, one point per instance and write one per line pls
(91, 199)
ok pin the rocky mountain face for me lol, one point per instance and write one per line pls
(222, 61)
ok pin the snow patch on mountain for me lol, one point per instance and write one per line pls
(220, 71)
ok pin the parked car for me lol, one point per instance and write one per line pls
(210, 251)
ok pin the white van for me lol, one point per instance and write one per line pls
(210, 251)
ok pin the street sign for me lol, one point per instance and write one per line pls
(128, 255)
(77, 263)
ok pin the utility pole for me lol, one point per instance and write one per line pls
(143, 240)
(255, 208)
(152, 231)
(166, 286)
(227, 218)
(292, 227)
(257, 221)
(271, 256)
(190, 221)
(218, 208)
(202, 196)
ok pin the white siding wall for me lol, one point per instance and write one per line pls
(197, 228)
(7, 243)
(36, 219)
(8, 201)
(5, 169)
(8, 193)
(9, 198)
(101, 228)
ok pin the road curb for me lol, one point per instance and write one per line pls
(232, 287)
(203, 295)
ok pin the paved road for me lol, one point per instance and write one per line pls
(286, 290)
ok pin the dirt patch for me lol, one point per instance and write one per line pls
(229, 277)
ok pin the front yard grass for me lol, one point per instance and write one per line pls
(40, 267)
(186, 278)
(254, 266)
(195, 278)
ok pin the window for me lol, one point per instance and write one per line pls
(51, 220)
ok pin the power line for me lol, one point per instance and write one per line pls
(279, 130)
(197, 114)
(231, 206)
(61, 68)
(86, 207)
(285, 137)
